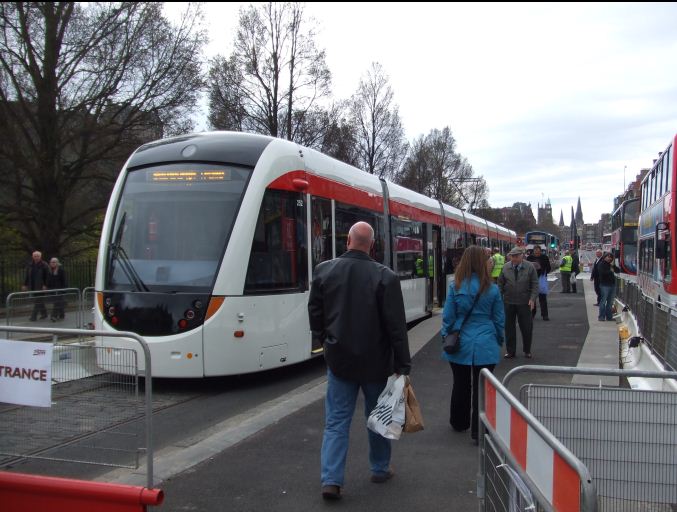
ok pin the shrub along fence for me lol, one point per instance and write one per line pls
(79, 274)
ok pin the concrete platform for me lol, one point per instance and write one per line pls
(268, 459)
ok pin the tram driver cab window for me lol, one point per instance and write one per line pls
(278, 257)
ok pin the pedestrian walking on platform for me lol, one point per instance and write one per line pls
(356, 311)
(607, 285)
(475, 308)
(565, 271)
(36, 280)
(541, 263)
(575, 269)
(56, 280)
(594, 275)
(518, 283)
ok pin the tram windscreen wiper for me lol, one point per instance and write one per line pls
(118, 254)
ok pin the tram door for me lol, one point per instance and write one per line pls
(439, 284)
(432, 261)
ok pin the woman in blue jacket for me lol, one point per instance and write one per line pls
(481, 334)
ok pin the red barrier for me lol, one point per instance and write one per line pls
(21, 492)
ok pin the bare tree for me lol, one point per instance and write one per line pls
(275, 77)
(416, 173)
(381, 146)
(436, 169)
(80, 86)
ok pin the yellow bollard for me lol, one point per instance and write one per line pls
(623, 332)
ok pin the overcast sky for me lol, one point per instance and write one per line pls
(546, 101)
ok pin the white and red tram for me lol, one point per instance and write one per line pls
(210, 240)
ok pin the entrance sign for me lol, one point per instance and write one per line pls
(26, 373)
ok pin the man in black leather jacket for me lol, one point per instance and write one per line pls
(356, 309)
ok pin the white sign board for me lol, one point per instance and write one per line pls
(26, 373)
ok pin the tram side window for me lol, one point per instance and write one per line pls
(407, 248)
(279, 250)
(321, 238)
(346, 216)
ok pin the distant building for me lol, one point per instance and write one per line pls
(544, 213)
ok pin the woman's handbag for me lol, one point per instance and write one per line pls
(388, 417)
(451, 343)
(413, 419)
(543, 284)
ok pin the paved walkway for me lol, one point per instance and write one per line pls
(268, 459)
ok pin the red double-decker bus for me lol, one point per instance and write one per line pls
(624, 221)
(657, 225)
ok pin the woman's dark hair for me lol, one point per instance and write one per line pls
(473, 261)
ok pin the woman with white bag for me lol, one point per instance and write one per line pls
(475, 308)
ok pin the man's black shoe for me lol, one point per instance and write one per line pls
(379, 479)
(331, 492)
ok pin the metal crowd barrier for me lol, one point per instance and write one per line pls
(624, 437)
(87, 305)
(90, 406)
(656, 321)
(63, 305)
(523, 466)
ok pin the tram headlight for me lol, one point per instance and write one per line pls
(189, 314)
(111, 311)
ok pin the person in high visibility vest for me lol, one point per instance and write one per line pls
(499, 262)
(565, 271)
(419, 266)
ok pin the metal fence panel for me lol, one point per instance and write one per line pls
(79, 274)
(657, 322)
(44, 308)
(504, 490)
(86, 422)
(93, 415)
(625, 437)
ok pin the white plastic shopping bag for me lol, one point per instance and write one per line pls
(387, 418)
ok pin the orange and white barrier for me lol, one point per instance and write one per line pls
(540, 456)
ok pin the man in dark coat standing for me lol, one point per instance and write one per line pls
(356, 310)
(594, 275)
(518, 283)
(36, 279)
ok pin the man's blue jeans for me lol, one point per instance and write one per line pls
(339, 407)
(606, 301)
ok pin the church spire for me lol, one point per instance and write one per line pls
(561, 219)
(579, 213)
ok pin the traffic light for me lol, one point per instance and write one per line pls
(552, 245)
